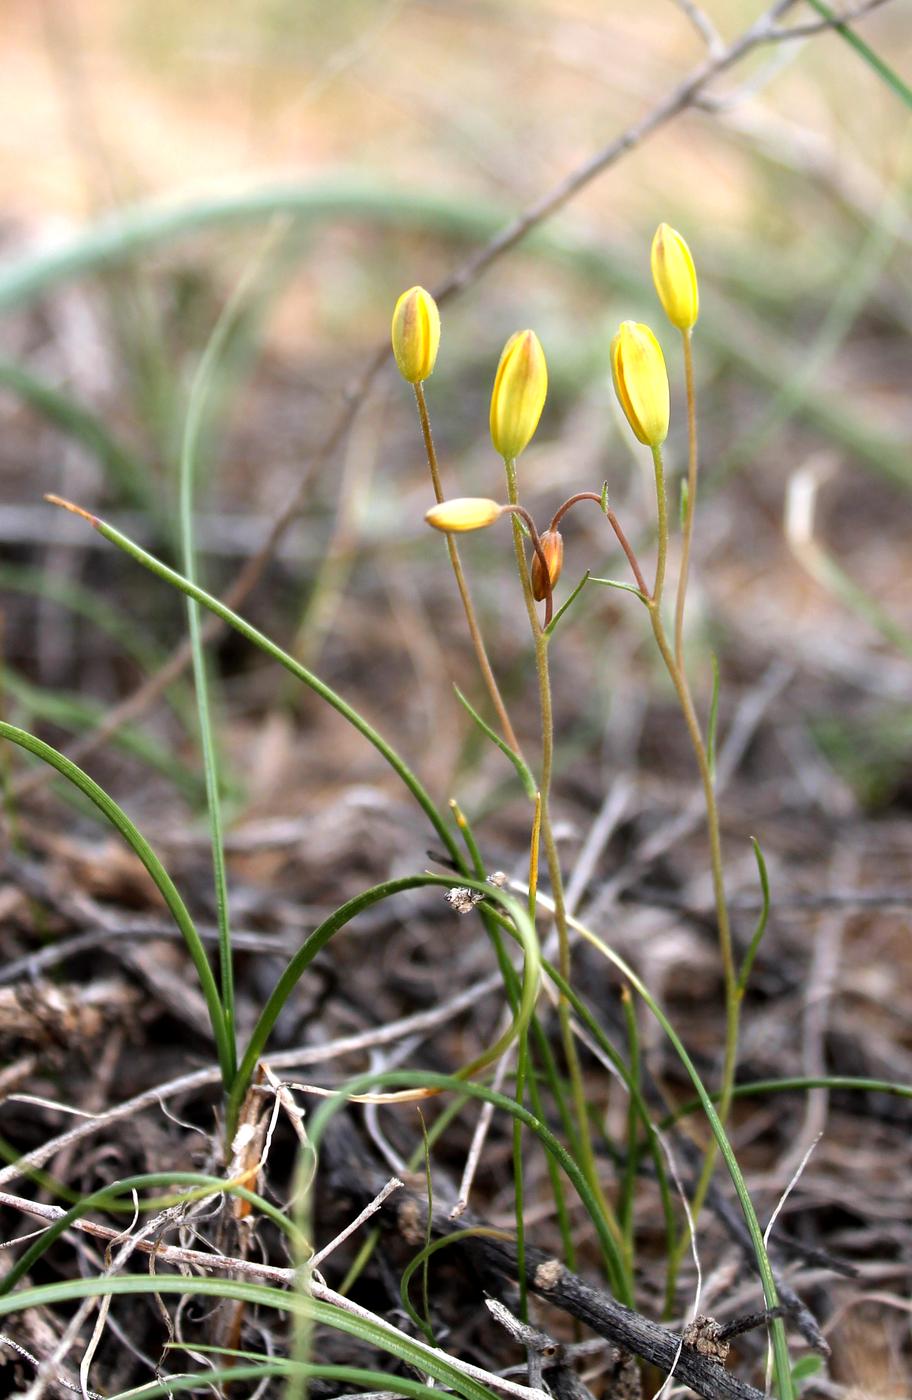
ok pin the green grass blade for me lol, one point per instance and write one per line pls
(298, 964)
(138, 843)
(108, 1199)
(797, 1085)
(472, 1089)
(259, 1365)
(260, 640)
(616, 583)
(423, 1358)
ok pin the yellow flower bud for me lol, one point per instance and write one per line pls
(675, 277)
(641, 381)
(518, 397)
(552, 543)
(463, 513)
(416, 334)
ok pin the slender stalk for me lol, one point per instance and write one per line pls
(568, 1042)
(616, 527)
(662, 504)
(484, 665)
(687, 533)
(730, 976)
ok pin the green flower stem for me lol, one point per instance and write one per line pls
(481, 654)
(541, 640)
(687, 533)
(134, 838)
(729, 972)
(662, 505)
(305, 955)
(259, 639)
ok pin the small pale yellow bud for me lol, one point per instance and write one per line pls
(675, 277)
(641, 381)
(552, 543)
(518, 397)
(416, 334)
(463, 513)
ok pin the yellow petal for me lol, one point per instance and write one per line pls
(416, 334)
(675, 277)
(518, 396)
(463, 513)
(641, 381)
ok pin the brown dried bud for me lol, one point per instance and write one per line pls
(552, 543)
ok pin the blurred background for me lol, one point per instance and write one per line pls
(154, 154)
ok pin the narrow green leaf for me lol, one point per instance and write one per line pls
(522, 926)
(616, 583)
(259, 639)
(565, 606)
(525, 775)
(422, 1358)
(119, 819)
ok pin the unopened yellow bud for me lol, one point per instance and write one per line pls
(675, 277)
(416, 334)
(552, 544)
(463, 513)
(518, 397)
(641, 381)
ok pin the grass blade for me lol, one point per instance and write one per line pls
(134, 838)
(270, 648)
(522, 926)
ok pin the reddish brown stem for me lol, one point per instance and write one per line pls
(616, 527)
